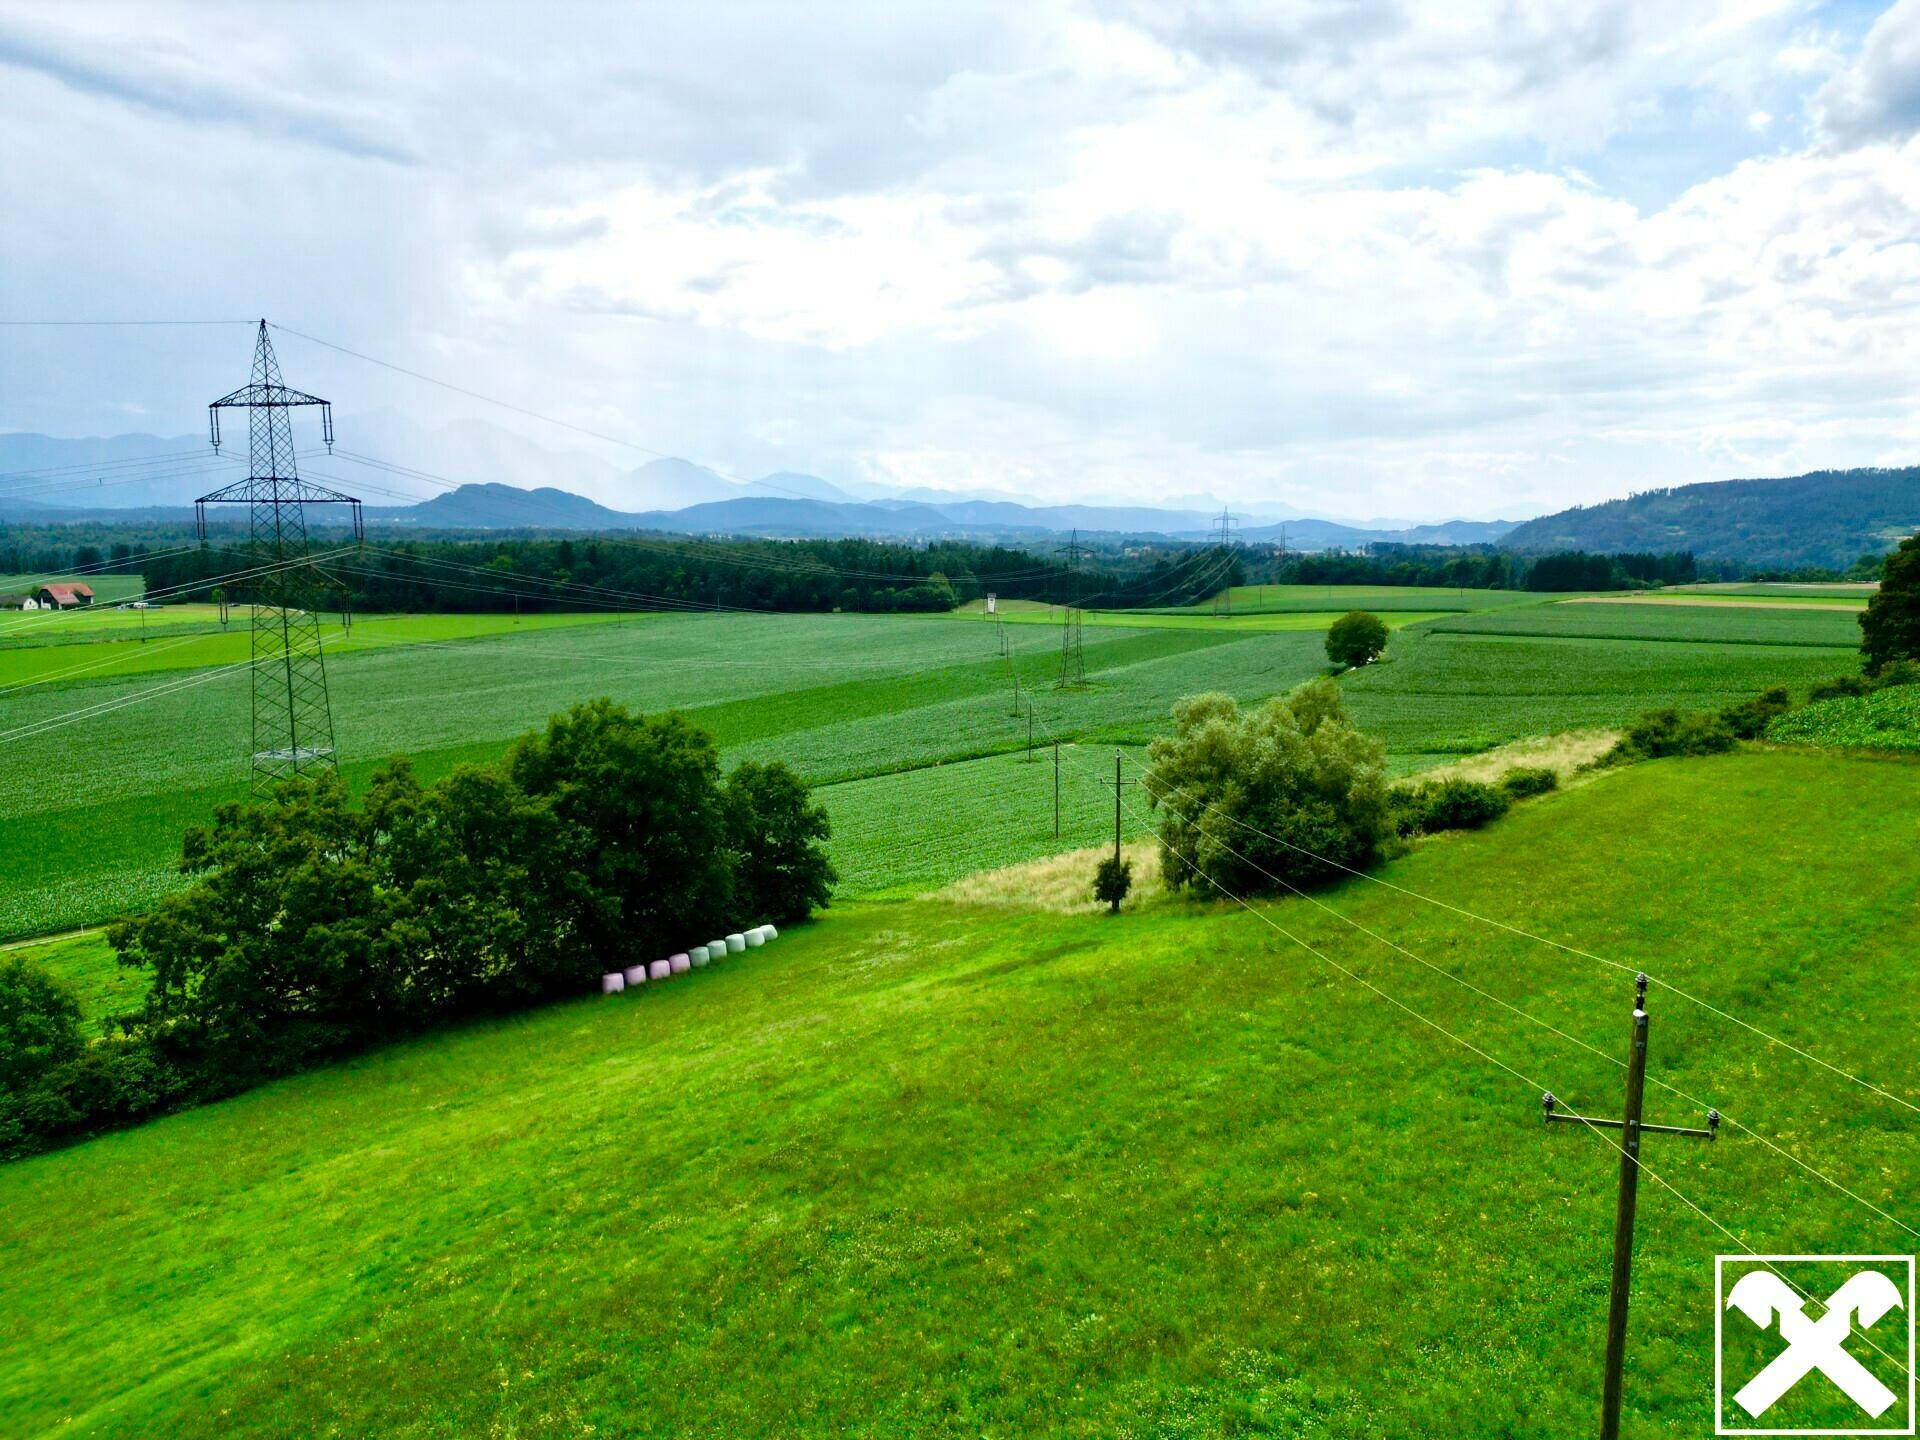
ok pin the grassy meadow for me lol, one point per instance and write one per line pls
(936, 1168)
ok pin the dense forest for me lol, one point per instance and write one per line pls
(1827, 519)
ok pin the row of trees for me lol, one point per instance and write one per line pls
(316, 925)
(454, 575)
(1479, 567)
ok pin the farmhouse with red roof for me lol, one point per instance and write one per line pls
(64, 595)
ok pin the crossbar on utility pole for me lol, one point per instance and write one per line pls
(1631, 1129)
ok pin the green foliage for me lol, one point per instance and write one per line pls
(1662, 733)
(777, 833)
(1290, 793)
(1839, 685)
(1430, 806)
(39, 1024)
(1883, 718)
(1355, 639)
(1749, 719)
(1525, 781)
(1112, 880)
(1890, 626)
(640, 850)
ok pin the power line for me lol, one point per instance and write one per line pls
(99, 324)
(1629, 1157)
(1584, 954)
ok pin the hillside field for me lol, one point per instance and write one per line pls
(939, 1169)
(112, 747)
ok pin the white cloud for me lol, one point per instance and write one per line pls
(1357, 257)
(1878, 97)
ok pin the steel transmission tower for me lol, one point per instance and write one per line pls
(1223, 524)
(292, 719)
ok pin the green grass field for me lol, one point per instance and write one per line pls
(100, 772)
(929, 1169)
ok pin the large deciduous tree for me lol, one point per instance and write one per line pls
(1890, 625)
(774, 828)
(1290, 793)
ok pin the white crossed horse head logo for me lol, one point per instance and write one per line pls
(1765, 1299)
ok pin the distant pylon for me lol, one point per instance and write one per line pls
(1223, 524)
(1073, 659)
(292, 719)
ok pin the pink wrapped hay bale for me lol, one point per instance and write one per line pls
(612, 983)
(680, 964)
(659, 970)
(635, 974)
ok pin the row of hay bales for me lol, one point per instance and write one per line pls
(614, 981)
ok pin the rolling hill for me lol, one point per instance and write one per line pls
(961, 1169)
(1827, 518)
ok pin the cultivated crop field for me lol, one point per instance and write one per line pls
(1385, 599)
(1252, 618)
(111, 748)
(934, 1169)
(1883, 720)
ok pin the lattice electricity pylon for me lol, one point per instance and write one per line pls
(1223, 524)
(292, 719)
(1073, 658)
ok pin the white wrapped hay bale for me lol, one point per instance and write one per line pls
(681, 963)
(716, 948)
(769, 932)
(660, 969)
(612, 983)
(700, 954)
(635, 974)
(755, 939)
(736, 943)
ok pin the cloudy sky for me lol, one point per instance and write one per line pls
(1362, 258)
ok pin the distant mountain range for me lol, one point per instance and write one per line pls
(1827, 518)
(476, 476)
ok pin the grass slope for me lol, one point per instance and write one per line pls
(933, 1169)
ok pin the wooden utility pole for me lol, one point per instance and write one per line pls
(1117, 782)
(1056, 789)
(1631, 1129)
